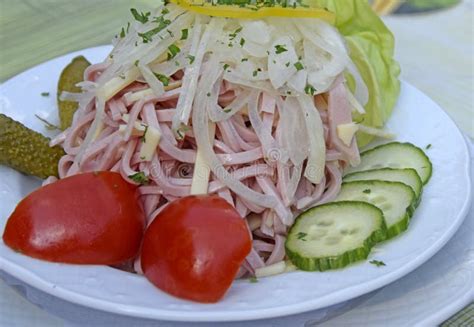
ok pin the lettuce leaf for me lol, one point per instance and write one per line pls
(371, 46)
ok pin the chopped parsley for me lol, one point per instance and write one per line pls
(173, 51)
(142, 138)
(136, 62)
(428, 146)
(170, 33)
(45, 94)
(234, 35)
(227, 110)
(122, 33)
(298, 65)
(255, 72)
(191, 59)
(165, 11)
(366, 191)
(253, 279)
(244, 59)
(208, 94)
(162, 24)
(184, 34)
(47, 124)
(139, 178)
(309, 89)
(377, 263)
(226, 66)
(287, 64)
(301, 236)
(280, 49)
(181, 132)
(242, 42)
(141, 17)
(163, 79)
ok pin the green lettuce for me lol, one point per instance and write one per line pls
(371, 46)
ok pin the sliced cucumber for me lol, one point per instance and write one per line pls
(396, 155)
(395, 199)
(406, 176)
(333, 235)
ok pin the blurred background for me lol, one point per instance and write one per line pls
(434, 45)
(385, 7)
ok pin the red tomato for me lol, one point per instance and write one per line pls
(194, 248)
(92, 218)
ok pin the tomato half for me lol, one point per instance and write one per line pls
(92, 218)
(194, 248)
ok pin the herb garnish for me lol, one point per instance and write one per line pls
(255, 72)
(139, 178)
(234, 35)
(244, 59)
(122, 33)
(174, 50)
(45, 94)
(253, 279)
(377, 263)
(141, 17)
(366, 191)
(301, 236)
(298, 65)
(162, 24)
(184, 34)
(191, 59)
(428, 146)
(226, 66)
(163, 79)
(182, 131)
(48, 125)
(280, 48)
(242, 42)
(142, 138)
(309, 89)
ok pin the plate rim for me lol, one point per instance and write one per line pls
(35, 281)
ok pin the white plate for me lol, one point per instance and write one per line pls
(416, 119)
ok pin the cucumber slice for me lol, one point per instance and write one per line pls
(407, 176)
(396, 155)
(333, 235)
(395, 199)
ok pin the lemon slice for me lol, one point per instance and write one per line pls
(235, 11)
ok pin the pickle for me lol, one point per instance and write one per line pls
(70, 76)
(26, 150)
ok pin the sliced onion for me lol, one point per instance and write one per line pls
(294, 131)
(314, 170)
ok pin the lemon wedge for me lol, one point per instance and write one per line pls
(242, 12)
